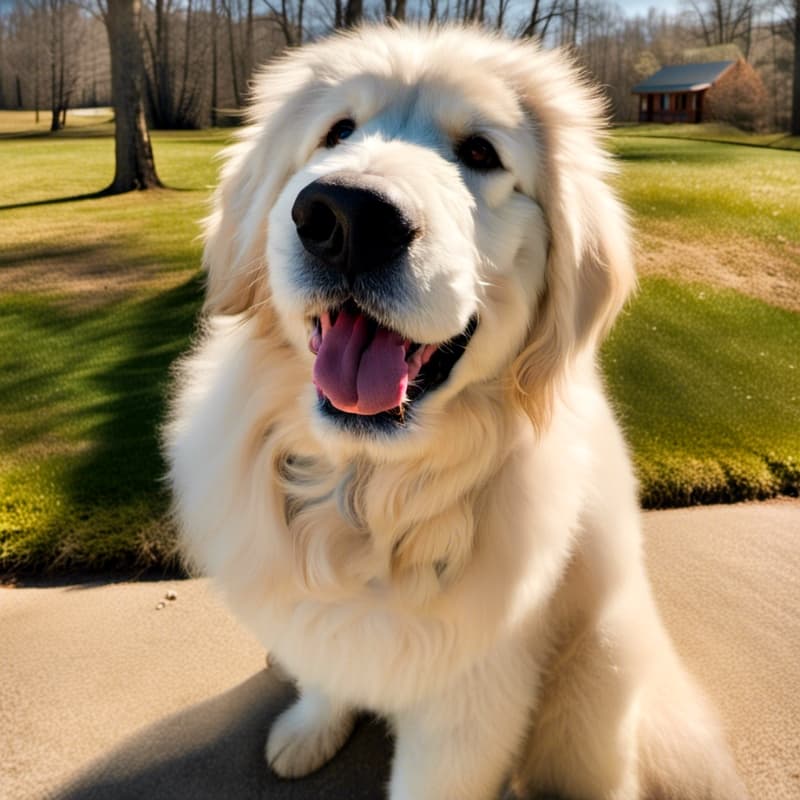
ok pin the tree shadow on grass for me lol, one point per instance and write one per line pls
(673, 151)
(55, 200)
(85, 393)
(101, 130)
(74, 198)
(124, 467)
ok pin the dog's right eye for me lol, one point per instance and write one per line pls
(478, 154)
(339, 131)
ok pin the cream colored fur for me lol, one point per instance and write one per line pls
(477, 578)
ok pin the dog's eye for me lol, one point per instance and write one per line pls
(478, 154)
(339, 131)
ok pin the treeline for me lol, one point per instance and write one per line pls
(199, 55)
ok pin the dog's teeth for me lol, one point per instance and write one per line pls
(428, 352)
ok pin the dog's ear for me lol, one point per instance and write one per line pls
(254, 169)
(589, 265)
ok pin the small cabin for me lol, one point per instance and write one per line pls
(676, 93)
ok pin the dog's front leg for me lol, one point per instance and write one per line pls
(308, 734)
(461, 744)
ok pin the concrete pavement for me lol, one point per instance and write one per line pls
(107, 693)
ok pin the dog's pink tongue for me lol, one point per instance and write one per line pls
(357, 372)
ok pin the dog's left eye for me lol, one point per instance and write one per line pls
(478, 154)
(339, 131)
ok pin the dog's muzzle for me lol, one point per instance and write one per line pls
(349, 222)
(357, 229)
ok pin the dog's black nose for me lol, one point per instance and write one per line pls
(350, 224)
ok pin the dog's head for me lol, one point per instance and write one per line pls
(419, 212)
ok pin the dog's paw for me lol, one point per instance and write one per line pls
(307, 735)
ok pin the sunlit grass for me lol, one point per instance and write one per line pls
(707, 384)
(712, 189)
(712, 132)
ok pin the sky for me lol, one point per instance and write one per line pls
(634, 7)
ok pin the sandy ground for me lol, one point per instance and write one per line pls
(110, 690)
(768, 272)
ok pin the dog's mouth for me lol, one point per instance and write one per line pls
(365, 369)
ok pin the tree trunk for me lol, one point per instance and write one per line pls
(228, 11)
(433, 11)
(795, 123)
(55, 110)
(576, 12)
(353, 12)
(214, 81)
(186, 96)
(135, 167)
(248, 43)
(300, 13)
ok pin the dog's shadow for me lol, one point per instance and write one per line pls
(215, 751)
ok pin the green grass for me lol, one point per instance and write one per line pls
(99, 295)
(711, 189)
(707, 384)
(713, 132)
(83, 394)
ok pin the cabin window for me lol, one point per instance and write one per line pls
(643, 103)
(681, 102)
(665, 102)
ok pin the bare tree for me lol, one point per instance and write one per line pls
(58, 27)
(395, 11)
(173, 87)
(289, 17)
(25, 56)
(353, 13)
(134, 163)
(214, 62)
(541, 15)
(3, 62)
(239, 22)
(159, 80)
(791, 29)
(724, 21)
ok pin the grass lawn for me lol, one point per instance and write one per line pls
(97, 298)
(712, 132)
(707, 384)
(99, 295)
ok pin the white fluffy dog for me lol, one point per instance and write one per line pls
(392, 447)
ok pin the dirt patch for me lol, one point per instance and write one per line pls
(91, 275)
(87, 277)
(44, 447)
(765, 271)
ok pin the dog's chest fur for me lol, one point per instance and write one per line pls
(376, 580)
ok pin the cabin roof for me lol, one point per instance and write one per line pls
(682, 78)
